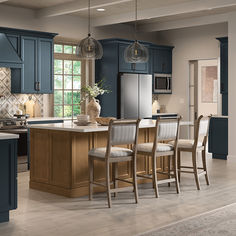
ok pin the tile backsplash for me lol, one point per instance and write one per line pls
(9, 103)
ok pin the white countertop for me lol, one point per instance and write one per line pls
(44, 118)
(4, 136)
(216, 116)
(71, 127)
(166, 114)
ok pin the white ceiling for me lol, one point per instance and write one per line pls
(122, 11)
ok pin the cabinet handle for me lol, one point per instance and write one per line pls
(36, 86)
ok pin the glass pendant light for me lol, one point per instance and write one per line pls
(89, 48)
(136, 52)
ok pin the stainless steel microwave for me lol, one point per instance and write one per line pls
(162, 83)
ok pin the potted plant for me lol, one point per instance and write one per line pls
(91, 92)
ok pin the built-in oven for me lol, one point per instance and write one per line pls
(162, 83)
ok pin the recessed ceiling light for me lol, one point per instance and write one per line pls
(101, 9)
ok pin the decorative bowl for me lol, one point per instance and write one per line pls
(104, 120)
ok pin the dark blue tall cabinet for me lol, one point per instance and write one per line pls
(218, 130)
(113, 63)
(35, 73)
(8, 178)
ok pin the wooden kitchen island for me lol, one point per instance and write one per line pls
(59, 157)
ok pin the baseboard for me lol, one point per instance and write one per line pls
(231, 156)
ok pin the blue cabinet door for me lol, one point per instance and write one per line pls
(162, 61)
(29, 69)
(45, 65)
(8, 178)
(218, 137)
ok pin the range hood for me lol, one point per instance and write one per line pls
(8, 55)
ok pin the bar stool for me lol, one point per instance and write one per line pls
(120, 132)
(166, 130)
(195, 146)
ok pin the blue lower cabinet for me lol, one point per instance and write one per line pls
(218, 137)
(8, 178)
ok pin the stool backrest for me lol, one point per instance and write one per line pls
(122, 132)
(202, 129)
(167, 130)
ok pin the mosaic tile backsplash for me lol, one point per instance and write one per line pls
(9, 103)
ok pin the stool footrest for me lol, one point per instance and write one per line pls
(124, 180)
(124, 189)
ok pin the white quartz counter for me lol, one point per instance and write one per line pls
(4, 136)
(71, 127)
(44, 118)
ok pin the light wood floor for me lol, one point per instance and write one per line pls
(46, 214)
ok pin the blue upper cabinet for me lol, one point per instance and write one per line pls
(29, 70)
(162, 60)
(35, 74)
(130, 67)
(45, 72)
(37, 70)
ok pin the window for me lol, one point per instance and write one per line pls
(67, 81)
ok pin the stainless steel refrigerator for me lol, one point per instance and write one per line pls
(135, 96)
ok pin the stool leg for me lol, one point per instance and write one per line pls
(176, 172)
(108, 184)
(179, 163)
(135, 179)
(91, 168)
(169, 169)
(205, 166)
(115, 175)
(154, 175)
(194, 158)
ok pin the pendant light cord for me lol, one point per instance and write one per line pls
(136, 17)
(89, 27)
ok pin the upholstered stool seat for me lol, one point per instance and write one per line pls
(186, 143)
(115, 152)
(161, 147)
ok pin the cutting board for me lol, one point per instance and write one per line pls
(37, 109)
(29, 108)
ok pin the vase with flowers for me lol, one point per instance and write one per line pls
(91, 92)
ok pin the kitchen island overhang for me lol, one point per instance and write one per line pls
(59, 157)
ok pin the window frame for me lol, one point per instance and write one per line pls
(70, 57)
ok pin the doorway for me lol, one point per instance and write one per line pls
(204, 95)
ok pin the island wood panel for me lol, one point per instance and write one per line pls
(81, 144)
(40, 153)
(60, 160)
(60, 154)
